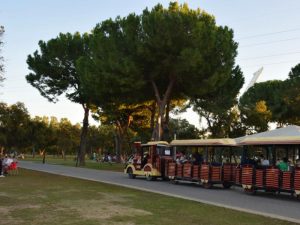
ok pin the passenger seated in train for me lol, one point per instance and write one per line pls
(247, 161)
(283, 164)
(297, 163)
(263, 161)
(145, 159)
(181, 158)
(197, 158)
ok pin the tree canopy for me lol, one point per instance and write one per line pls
(272, 101)
(160, 55)
(217, 106)
(54, 72)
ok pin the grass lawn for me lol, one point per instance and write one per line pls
(41, 198)
(91, 164)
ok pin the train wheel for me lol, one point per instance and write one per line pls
(174, 181)
(150, 178)
(130, 173)
(250, 191)
(207, 185)
(166, 178)
(226, 185)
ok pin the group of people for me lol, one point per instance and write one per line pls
(5, 163)
(107, 157)
(283, 164)
(195, 158)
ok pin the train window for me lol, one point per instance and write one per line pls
(226, 155)
(218, 154)
(281, 152)
(236, 155)
(163, 151)
(167, 152)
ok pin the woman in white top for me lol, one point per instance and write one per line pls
(264, 161)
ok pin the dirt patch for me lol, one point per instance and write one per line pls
(107, 207)
(7, 211)
(4, 210)
(108, 197)
(3, 194)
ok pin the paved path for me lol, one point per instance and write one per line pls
(282, 207)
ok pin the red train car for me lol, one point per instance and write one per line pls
(271, 161)
(204, 161)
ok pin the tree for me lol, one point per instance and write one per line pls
(184, 50)
(263, 103)
(184, 130)
(217, 106)
(1, 57)
(38, 133)
(291, 96)
(55, 72)
(14, 121)
(148, 57)
(101, 139)
(126, 120)
(67, 136)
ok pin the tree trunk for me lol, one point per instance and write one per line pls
(161, 103)
(63, 154)
(44, 156)
(118, 144)
(167, 112)
(82, 149)
(153, 112)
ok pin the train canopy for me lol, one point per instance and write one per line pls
(204, 142)
(282, 136)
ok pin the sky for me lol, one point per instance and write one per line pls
(268, 33)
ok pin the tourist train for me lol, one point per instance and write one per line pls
(268, 161)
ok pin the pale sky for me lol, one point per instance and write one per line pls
(268, 33)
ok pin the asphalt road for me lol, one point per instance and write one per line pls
(282, 207)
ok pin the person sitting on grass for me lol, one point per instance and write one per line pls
(1, 167)
(6, 163)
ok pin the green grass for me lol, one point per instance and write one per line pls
(41, 198)
(91, 164)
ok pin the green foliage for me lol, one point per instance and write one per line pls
(295, 72)
(54, 69)
(281, 100)
(14, 122)
(187, 47)
(217, 106)
(292, 96)
(67, 136)
(54, 72)
(183, 130)
(101, 139)
(140, 58)
(20, 132)
(39, 133)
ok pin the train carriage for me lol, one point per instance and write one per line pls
(218, 162)
(280, 144)
(149, 160)
(252, 162)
